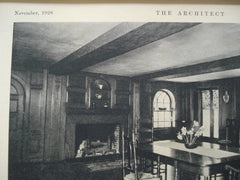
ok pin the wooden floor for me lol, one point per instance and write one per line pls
(79, 171)
(66, 171)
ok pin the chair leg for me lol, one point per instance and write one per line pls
(165, 171)
(158, 166)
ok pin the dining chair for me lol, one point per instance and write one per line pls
(233, 171)
(188, 172)
(151, 163)
(132, 169)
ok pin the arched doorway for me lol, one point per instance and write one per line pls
(16, 117)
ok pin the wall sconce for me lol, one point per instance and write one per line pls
(226, 97)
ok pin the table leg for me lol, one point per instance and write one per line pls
(176, 173)
(165, 171)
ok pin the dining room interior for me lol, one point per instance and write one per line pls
(77, 87)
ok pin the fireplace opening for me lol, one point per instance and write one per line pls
(97, 140)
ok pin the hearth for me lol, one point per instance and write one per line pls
(94, 140)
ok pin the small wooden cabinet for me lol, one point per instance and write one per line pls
(100, 94)
(96, 94)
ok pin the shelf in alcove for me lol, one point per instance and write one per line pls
(100, 90)
(102, 99)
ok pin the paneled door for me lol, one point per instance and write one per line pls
(210, 112)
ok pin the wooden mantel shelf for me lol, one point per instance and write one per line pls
(96, 111)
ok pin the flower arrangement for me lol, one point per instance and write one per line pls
(190, 136)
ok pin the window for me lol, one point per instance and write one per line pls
(210, 112)
(163, 109)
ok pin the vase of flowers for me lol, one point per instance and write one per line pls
(190, 137)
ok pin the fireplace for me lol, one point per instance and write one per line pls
(92, 140)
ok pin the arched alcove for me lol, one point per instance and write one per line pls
(100, 94)
(16, 119)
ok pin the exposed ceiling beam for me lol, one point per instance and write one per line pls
(101, 50)
(202, 68)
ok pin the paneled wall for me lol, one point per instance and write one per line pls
(226, 110)
(55, 118)
(45, 122)
(84, 111)
(44, 118)
(51, 104)
(186, 96)
(147, 93)
(80, 93)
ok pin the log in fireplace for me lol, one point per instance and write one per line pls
(94, 140)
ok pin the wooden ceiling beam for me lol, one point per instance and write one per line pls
(101, 50)
(202, 68)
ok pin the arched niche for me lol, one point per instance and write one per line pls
(16, 121)
(100, 94)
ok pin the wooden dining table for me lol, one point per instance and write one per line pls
(205, 160)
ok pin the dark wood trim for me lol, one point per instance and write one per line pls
(93, 53)
(122, 92)
(99, 75)
(36, 86)
(76, 89)
(211, 115)
(81, 110)
(202, 68)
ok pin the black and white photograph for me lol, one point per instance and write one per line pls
(124, 100)
(119, 91)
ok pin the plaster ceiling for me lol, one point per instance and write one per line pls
(54, 42)
(201, 43)
(207, 76)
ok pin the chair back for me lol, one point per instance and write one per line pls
(146, 133)
(129, 159)
(233, 171)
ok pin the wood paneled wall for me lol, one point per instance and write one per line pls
(55, 118)
(45, 124)
(44, 115)
(226, 110)
(147, 93)
(186, 99)
(84, 113)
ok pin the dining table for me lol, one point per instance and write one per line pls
(205, 160)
